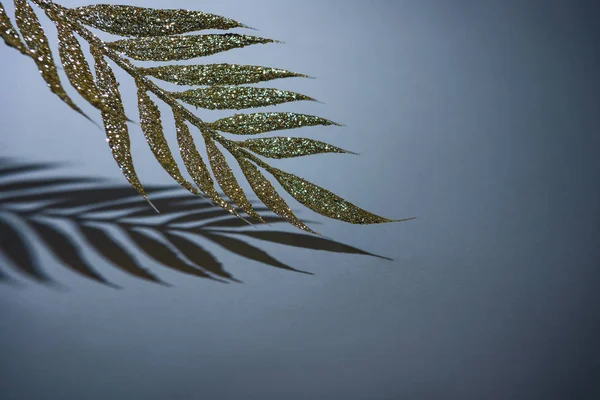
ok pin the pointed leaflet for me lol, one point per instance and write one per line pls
(63, 247)
(198, 255)
(9, 34)
(302, 240)
(236, 97)
(226, 179)
(171, 48)
(16, 249)
(323, 201)
(247, 251)
(163, 254)
(78, 70)
(153, 131)
(287, 147)
(37, 42)
(195, 165)
(114, 252)
(253, 124)
(216, 74)
(115, 122)
(267, 194)
(138, 21)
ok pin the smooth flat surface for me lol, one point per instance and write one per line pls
(478, 117)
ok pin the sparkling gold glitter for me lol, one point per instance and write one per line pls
(77, 69)
(226, 179)
(169, 48)
(217, 74)
(151, 42)
(9, 34)
(288, 147)
(254, 124)
(323, 201)
(115, 124)
(237, 97)
(39, 49)
(153, 131)
(195, 165)
(267, 194)
(138, 21)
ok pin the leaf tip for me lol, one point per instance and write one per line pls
(151, 204)
(401, 220)
(247, 27)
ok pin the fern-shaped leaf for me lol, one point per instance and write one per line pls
(254, 124)
(115, 124)
(288, 147)
(217, 74)
(38, 46)
(137, 21)
(153, 131)
(162, 254)
(198, 255)
(324, 202)
(63, 247)
(226, 179)
(268, 195)
(15, 247)
(237, 97)
(248, 251)
(9, 34)
(196, 166)
(115, 252)
(170, 48)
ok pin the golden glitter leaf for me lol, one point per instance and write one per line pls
(237, 97)
(38, 46)
(288, 147)
(170, 48)
(9, 34)
(195, 164)
(254, 124)
(217, 74)
(138, 21)
(323, 201)
(157, 37)
(153, 131)
(227, 180)
(115, 125)
(78, 71)
(268, 195)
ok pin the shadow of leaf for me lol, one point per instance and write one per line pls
(19, 252)
(247, 251)
(163, 254)
(305, 241)
(196, 254)
(171, 239)
(110, 249)
(65, 250)
(232, 222)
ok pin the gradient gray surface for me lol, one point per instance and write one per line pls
(481, 118)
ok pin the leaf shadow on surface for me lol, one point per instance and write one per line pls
(114, 223)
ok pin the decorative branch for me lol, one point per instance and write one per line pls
(155, 35)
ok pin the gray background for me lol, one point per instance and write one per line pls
(479, 117)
